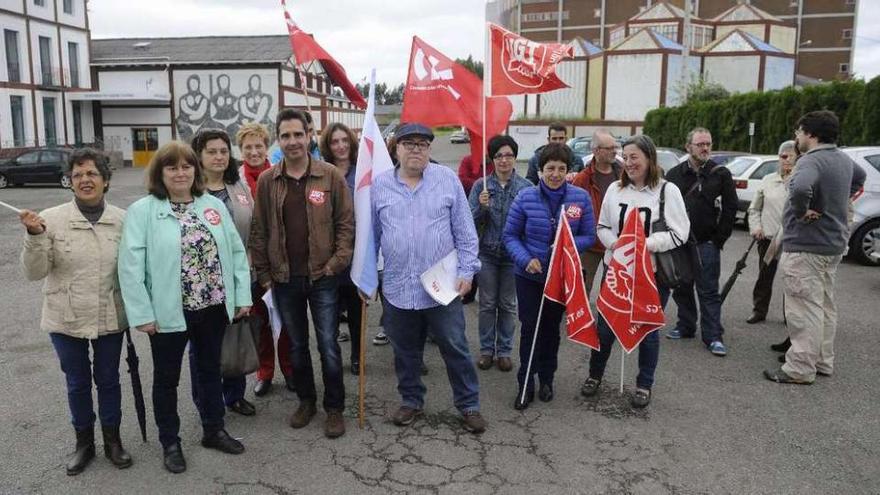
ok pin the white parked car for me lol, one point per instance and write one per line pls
(747, 172)
(864, 240)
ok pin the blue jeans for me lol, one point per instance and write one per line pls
(649, 349)
(707, 291)
(73, 353)
(545, 361)
(407, 330)
(497, 307)
(293, 300)
(204, 332)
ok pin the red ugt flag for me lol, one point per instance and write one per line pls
(439, 91)
(306, 50)
(565, 283)
(628, 299)
(520, 65)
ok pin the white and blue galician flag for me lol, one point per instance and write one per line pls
(373, 159)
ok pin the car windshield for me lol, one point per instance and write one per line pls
(738, 166)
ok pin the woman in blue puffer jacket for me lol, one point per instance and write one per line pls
(528, 236)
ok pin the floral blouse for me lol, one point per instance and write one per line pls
(201, 278)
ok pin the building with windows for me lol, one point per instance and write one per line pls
(823, 29)
(44, 64)
(152, 90)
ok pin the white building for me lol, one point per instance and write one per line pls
(741, 62)
(44, 64)
(153, 90)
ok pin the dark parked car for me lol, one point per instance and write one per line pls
(40, 166)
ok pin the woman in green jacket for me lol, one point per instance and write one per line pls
(184, 275)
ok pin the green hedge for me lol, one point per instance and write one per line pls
(775, 113)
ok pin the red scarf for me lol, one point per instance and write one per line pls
(251, 174)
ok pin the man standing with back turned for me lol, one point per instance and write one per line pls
(420, 214)
(814, 238)
(703, 183)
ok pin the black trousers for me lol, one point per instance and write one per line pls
(763, 290)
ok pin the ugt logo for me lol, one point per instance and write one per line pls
(527, 63)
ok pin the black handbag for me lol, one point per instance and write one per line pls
(239, 353)
(680, 265)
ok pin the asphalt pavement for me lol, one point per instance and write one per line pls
(715, 425)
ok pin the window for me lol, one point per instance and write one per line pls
(52, 157)
(16, 112)
(49, 121)
(77, 122)
(545, 16)
(874, 160)
(46, 60)
(844, 68)
(597, 13)
(68, 6)
(847, 34)
(13, 67)
(766, 168)
(73, 60)
(28, 158)
(40, 3)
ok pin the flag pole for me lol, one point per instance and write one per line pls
(487, 90)
(302, 82)
(362, 364)
(622, 358)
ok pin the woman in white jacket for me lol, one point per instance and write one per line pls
(640, 186)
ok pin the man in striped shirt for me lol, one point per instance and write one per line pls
(420, 214)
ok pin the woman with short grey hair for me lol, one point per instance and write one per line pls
(765, 222)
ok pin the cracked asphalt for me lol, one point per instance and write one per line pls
(714, 426)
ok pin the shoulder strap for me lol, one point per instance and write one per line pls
(663, 202)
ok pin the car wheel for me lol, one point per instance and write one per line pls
(4, 183)
(65, 181)
(865, 242)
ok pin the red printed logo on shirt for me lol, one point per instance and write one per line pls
(316, 197)
(212, 216)
(573, 212)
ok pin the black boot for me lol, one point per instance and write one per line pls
(85, 451)
(782, 346)
(113, 449)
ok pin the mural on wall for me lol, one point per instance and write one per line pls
(224, 100)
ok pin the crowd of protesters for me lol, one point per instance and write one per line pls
(212, 236)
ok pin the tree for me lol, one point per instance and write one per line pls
(472, 65)
(699, 89)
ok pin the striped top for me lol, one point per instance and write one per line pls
(416, 228)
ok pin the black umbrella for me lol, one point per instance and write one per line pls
(740, 266)
(133, 362)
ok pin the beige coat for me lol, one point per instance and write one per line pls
(765, 211)
(78, 261)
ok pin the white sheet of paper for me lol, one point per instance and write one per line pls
(440, 280)
(274, 315)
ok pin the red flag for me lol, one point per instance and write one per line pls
(441, 92)
(628, 299)
(565, 283)
(306, 50)
(520, 65)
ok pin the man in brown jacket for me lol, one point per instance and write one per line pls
(301, 238)
(602, 171)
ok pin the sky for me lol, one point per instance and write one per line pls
(361, 34)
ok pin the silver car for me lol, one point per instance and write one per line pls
(864, 241)
(747, 172)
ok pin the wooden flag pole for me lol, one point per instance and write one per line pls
(362, 371)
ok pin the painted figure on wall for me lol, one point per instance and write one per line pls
(192, 109)
(255, 105)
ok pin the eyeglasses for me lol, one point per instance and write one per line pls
(606, 148)
(702, 145)
(81, 175)
(504, 156)
(413, 145)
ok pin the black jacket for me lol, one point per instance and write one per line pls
(708, 223)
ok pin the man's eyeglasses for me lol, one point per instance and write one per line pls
(504, 156)
(413, 145)
(702, 145)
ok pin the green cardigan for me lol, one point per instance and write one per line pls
(149, 261)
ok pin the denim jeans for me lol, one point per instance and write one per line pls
(649, 349)
(707, 291)
(293, 299)
(73, 353)
(407, 330)
(545, 361)
(204, 332)
(233, 388)
(497, 307)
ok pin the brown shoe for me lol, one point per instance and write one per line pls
(405, 416)
(335, 425)
(505, 364)
(485, 362)
(303, 414)
(474, 422)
